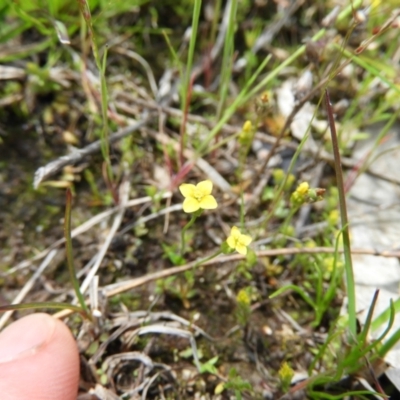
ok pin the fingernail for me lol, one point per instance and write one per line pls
(25, 337)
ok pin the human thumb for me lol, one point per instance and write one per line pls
(39, 360)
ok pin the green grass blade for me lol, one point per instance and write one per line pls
(226, 70)
(296, 289)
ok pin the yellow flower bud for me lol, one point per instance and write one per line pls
(247, 126)
(303, 188)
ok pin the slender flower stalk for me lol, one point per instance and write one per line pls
(184, 229)
(206, 259)
(70, 259)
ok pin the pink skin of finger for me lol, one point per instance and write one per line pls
(39, 360)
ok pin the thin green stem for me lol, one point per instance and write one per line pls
(172, 50)
(226, 71)
(351, 294)
(184, 229)
(335, 279)
(298, 290)
(204, 260)
(362, 337)
(192, 45)
(245, 145)
(391, 342)
(279, 192)
(41, 305)
(242, 210)
(382, 318)
(186, 87)
(70, 258)
(238, 395)
(322, 395)
(105, 148)
(203, 148)
(85, 10)
(293, 210)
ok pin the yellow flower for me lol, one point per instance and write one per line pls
(302, 189)
(243, 297)
(238, 241)
(286, 374)
(285, 371)
(300, 195)
(197, 197)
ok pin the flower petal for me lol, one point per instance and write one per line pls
(208, 202)
(245, 240)
(187, 189)
(241, 249)
(190, 205)
(205, 187)
(231, 242)
(235, 232)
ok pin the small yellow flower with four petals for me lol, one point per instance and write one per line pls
(238, 241)
(198, 196)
